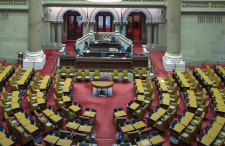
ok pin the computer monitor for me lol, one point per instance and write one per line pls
(87, 109)
(115, 110)
(50, 132)
(62, 136)
(138, 139)
(82, 123)
(7, 135)
(75, 103)
(80, 140)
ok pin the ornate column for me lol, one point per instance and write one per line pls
(91, 26)
(149, 35)
(35, 57)
(124, 29)
(52, 29)
(156, 32)
(84, 28)
(59, 34)
(173, 58)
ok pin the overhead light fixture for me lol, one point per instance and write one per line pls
(105, 1)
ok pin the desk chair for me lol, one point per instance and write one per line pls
(36, 82)
(113, 39)
(31, 96)
(6, 94)
(141, 112)
(222, 92)
(197, 121)
(173, 90)
(190, 79)
(128, 50)
(201, 101)
(166, 79)
(45, 125)
(6, 109)
(219, 141)
(162, 124)
(96, 75)
(33, 105)
(115, 75)
(16, 78)
(19, 74)
(34, 89)
(71, 72)
(210, 73)
(213, 78)
(169, 84)
(68, 114)
(146, 131)
(117, 122)
(58, 80)
(58, 91)
(1, 68)
(80, 135)
(186, 72)
(217, 83)
(148, 101)
(86, 75)
(59, 102)
(146, 81)
(86, 119)
(37, 115)
(125, 75)
(149, 93)
(136, 73)
(12, 119)
(22, 136)
(79, 75)
(63, 72)
(39, 77)
(5, 101)
(173, 107)
(187, 136)
(13, 86)
(194, 85)
(174, 98)
(143, 73)
(202, 109)
(206, 70)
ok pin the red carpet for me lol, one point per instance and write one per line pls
(136, 33)
(100, 29)
(69, 46)
(137, 47)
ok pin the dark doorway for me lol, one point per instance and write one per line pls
(104, 21)
(74, 25)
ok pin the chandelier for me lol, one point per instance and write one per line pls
(104, 1)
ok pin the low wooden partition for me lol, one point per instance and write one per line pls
(105, 64)
(102, 46)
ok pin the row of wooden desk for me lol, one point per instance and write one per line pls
(220, 71)
(191, 102)
(27, 77)
(68, 86)
(46, 84)
(161, 85)
(206, 139)
(16, 103)
(218, 101)
(55, 140)
(154, 141)
(53, 118)
(152, 118)
(5, 75)
(4, 141)
(181, 81)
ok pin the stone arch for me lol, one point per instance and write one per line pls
(111, 10)
(64, 10)
(145, 11)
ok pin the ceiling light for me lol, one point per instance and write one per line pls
(104, 1)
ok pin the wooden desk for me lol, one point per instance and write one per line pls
(139, 125)
(76, 109)
(127, 128)
(102, 85)
(15, 99)
(26, 78)
(2, 135)
(64, 142)
(48, 112)
(7, 73)
(15, 107)
(131, 109)
(15, 94)
(210, 84)
(206, 141)
(164, 103)
(119, 114)
(33, 130)
(57, 121)
(144, 142)
(19, 115)
(218, 71)
(151, 120)
(161, 111)
(67, 101)
(212, 133)
(189, 115)
(85, 128)
(44, 84)
(157, 140)
(140, 87)
(139, 99)
(177, 130)
(191, 106)
(7, 142)
(72, 126)
(220, 110)
(162, 85)
(41, 103)
(185, 84)
(24, 121)
(216, 126)
(220, 120)
(90, 114)
(190, 93)
(40, 94)
(185, 121)
(51, 139)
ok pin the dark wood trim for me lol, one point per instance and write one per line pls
(104, 14)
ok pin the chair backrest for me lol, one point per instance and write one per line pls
(143, 70)
(136, 70)
(146, 131)
(96, 72)
(86, 72)
(125, 72)
(218, 82)
(4, 92)
(84, 119)
(115, 72)
(71, 69)
(118, 121)
(38, 76)
(79, 72)
(64, 69)
(132, 136)
(1, 67)
(80, 135)
(206, 107)
(65, 112)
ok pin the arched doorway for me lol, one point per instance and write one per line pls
(136, 26)
(73, 20)
(104, 22)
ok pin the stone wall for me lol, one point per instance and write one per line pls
(13, 34)
(203, 36)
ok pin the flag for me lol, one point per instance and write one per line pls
(87, 24)
(121, 23)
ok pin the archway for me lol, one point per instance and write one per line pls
(145, 11)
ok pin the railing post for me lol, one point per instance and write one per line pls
(34, 65)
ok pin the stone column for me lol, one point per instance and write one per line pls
(117, 26)
(35, 57)
(173, 58)
(156, 32)
(124, 29)
(84, 28)
(91, 26)
(149, 35)
(59, 34)
(53, 34)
